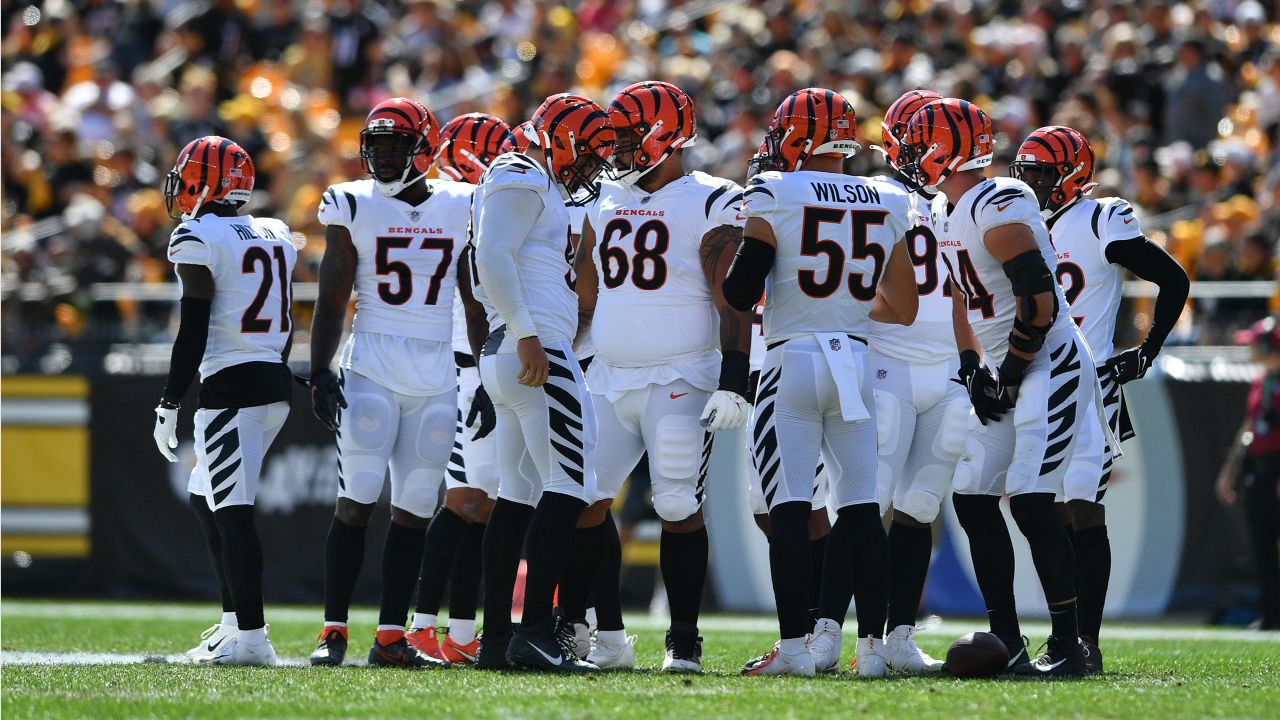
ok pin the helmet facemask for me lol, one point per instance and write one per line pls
(391, 156)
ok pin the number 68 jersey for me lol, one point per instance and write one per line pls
(251, 260)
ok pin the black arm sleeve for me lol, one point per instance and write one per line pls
(188, 348)
(744, 283)
(1150, 262)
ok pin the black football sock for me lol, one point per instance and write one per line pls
(343, 555)
(992, 552)
(607, 587)
(789, 567)
(444, 535)
(503, 542)
(683, 560)
(464, 581)
(817, 557)
(909, 551)
(869, 549)
(1093, 573)
(837, 576)
(580, 572)
(242, 562)
(209, 528)
(401, 559)
(550, 542)
(1052, 556)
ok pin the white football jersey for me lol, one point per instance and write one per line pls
(655, 305)
(544, 258)
(406, 256)
(1090, 282)
(835, 233)
(252, 261)
(989, 204)
(930, 339)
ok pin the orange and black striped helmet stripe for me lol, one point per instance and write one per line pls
(651, 100)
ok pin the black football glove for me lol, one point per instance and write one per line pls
(326, 398)
(990, 399)
(482, 407)
(1127, 366)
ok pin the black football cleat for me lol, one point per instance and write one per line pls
(401, 654)
(1061, 658)
(538, 647)
(331, 647)
(684, 649)
(1018, 654)
(1092, 655)
(492, 654)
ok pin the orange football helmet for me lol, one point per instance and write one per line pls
(896, 118)
(944, 137)
(1057, 162)
(209, 169)
(469, 143)
(577, 140)
(813, 121)
(653, 119)
(400, 138)
(522, 135)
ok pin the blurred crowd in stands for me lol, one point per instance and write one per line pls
(1180, 99)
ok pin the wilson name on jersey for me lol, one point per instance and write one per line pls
(406, 256)
(930, 339)
(990, 204)
(1090, 282)
(835, 233)
(544, 257)
(654, 304)
(251, 260)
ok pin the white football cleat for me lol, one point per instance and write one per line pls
(825, 645)
(613, 656)
(903, 655)
(869, 661)
(581, 640)
(253, 653)
(217, 641)
(775, 663)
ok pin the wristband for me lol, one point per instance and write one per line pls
(735, 368)
(1013, 369)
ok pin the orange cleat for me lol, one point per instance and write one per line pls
(457, 654)
(425, 641)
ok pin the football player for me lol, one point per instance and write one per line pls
(1034, 406)
(1096, 242)
(829, 248)
(236, 330)
(671, 359)
(545, 425)
(468, 144)
(394, 239)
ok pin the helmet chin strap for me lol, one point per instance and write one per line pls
(395, 187)
(199, 202)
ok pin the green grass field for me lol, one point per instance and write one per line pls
(1153, 671)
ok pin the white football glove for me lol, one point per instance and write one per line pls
(166, 432)
(725, 410)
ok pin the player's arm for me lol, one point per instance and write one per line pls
(477, 330)
(744, 282)
(337, 278)
(966, 339)
(990, 403)
(587, 281)
(1014, 246)
(505, 218)
(1150, 262)
(897, 296)
(718, 250)
(188, 350)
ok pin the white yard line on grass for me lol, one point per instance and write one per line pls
(13, 657)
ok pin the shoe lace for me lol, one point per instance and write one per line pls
(208, 633)
(685, 647)
(565, 638)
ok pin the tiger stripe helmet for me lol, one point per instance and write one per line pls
(896, 118)
(653, 119)
(209, 169)
(399, 139)
(577, 140)
(522, 136)
(468, 143)
(813, 121)
(1057, 162)
(944, 137)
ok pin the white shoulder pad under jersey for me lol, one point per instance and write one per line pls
(930, 339)
(251, 260)
(655, 304)
(834, 235)
(406, 255)
(1090, 282)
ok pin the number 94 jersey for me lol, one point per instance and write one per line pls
(406, 267)
(835, 233)
(251, 260)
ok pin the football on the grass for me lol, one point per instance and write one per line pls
(977, 655)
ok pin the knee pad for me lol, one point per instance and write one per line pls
(1033, 512)
(676, 505)
(954, 430)
(419, 492)
(678, 451)
(886, 420)
(921, 505)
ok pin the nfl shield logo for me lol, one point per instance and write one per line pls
(882, 374)
(835, 344)
(413, 215)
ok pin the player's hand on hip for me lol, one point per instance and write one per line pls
(166, 431)
(326, 398)
(482, 408)
(534, 366)
(1127, 366)
(725, 410)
